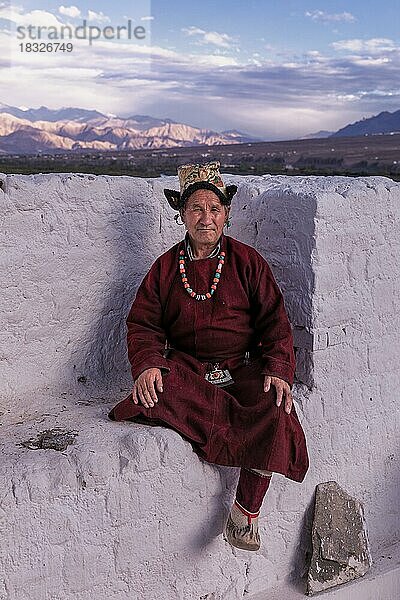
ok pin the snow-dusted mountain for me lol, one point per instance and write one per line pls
(33, 130)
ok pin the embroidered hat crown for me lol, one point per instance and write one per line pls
(200, 176)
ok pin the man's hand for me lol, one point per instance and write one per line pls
(282, 391)
(144, 389)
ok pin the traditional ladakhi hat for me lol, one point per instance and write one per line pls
(195, 177)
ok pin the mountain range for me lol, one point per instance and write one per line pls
(50, 131)
(385, 122)
(34, 130)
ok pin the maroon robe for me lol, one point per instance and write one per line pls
(238, 425)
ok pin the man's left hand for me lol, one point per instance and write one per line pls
(282, 391)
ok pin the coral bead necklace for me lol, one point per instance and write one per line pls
(216, 278)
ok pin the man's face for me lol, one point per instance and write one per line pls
(204, 217)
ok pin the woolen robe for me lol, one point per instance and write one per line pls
(238, 425)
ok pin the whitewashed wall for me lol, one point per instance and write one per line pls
(128, 511)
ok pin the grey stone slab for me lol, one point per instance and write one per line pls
(339, 538)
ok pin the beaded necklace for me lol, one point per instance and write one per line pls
(214, 284)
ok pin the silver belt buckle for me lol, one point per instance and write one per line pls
(218, 376)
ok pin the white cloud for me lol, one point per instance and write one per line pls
(69, 11)
(99, 17)
(218, 39)
(16, 15)
(368, 61)
(371, 46)
(192, 31)
(148, 18)
(324, 17)
(348, 97)
(213, 60)
(223, 40)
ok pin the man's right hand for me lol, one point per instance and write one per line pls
(144, 389)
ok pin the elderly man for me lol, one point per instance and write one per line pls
(211, 351)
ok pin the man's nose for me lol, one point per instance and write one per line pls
(206, 217)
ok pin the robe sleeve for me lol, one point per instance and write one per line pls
(146, 337)
(272, 326)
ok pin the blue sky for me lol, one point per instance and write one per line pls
(277, 70)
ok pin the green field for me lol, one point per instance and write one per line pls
(366, 155)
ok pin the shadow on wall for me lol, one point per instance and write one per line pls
(283, 231)
(285, 236)
(301, 557)
(133, 241)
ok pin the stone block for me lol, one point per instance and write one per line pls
(340, 543)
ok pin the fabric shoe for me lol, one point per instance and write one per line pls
(241, 529)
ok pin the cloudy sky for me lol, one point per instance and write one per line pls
(277, 70)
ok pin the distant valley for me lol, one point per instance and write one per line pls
(373, 155)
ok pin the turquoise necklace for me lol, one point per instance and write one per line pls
(216, 278)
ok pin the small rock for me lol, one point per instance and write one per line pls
(339, 538)
(54, 439)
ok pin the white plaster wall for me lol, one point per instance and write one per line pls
(128, 511)
(357, 312)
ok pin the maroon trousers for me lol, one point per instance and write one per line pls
(251, 489)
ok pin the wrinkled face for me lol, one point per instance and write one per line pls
(204, 216)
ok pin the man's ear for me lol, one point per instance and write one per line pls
(173, 198)
(231, 191)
